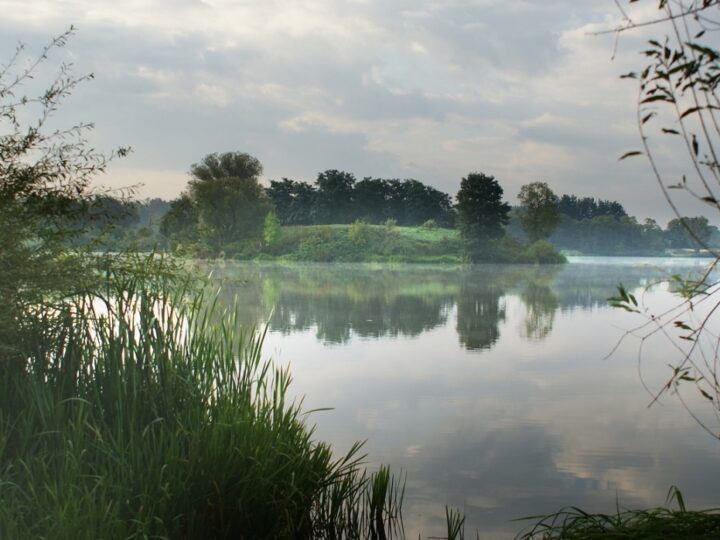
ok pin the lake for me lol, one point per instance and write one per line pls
(490, 387)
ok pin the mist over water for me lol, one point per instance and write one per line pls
(489, 386)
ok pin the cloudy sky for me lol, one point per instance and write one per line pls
(425, 89)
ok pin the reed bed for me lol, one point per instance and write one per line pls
(144, 412)
(662, 522)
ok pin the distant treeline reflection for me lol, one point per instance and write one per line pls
(369, 301)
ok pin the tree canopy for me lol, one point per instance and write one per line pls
(689, 232)
(226, 194)
(482, 214)
(580, 208)
(539, 213)
(337, 197)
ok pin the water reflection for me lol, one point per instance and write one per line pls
(342, 301)
(487, 385)
(541, 304)
(479, 311)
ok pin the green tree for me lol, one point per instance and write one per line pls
(334, 203)
(688, 232)
(45, 175)
(294, 201)
(539, 213)
(482, 214)
(180, 223)
(271, 230)
(231, 204)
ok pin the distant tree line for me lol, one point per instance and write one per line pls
(603, 227)
(579, 208)
(336, 197)
(225, 208)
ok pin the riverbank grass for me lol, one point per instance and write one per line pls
(143, 413)
(656, 523)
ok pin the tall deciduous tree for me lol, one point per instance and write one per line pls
(231, 204)
(482, 214)
(539, 213)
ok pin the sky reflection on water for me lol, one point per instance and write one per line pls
(488, 386)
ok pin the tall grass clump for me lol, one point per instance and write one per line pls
(140, 412)
(662, 522)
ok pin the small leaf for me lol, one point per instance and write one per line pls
(670, 131)
(695, 145)
(690, 111)
(630, 154)
(657, 97)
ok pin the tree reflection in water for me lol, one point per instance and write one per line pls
(339, 301)
(479, 312)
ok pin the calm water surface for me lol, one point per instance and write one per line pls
(489, 386)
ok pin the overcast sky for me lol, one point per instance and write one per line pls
(519, 89)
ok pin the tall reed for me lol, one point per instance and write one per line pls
(143, 412)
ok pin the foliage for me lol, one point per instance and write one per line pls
(482, 214)
(334, 196)
(575, 524)
(359, 233)
(365, 242)
(155, 416)
(294, 202)
(539, 213)
(338, 198)
(45, 191)
(606, 235)
(677, 113)
(682, 232)
(544, 252)
(579, 208)
(271, 230)
(231, 204)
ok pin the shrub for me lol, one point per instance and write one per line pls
(544, 252)
(359, 233)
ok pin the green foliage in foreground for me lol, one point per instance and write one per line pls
(136, 418)
(662, 522)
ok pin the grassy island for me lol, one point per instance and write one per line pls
(363, 242)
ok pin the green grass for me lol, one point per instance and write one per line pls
(142, 414)
(657, 523)
(361, 242)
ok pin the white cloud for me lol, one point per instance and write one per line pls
(433, 89)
